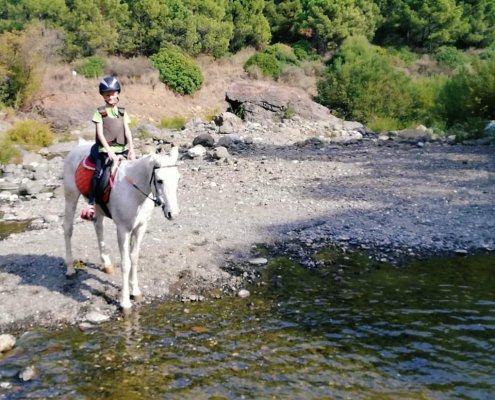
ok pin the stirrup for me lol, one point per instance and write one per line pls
(89, 213)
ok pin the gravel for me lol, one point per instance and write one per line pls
(391, 197)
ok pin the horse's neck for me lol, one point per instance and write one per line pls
(140, 171)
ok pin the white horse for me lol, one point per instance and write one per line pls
(139, 186)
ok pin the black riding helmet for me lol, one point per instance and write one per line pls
(109, 84)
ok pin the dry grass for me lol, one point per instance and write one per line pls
(71, 100)
(132, 70)
(296, 77)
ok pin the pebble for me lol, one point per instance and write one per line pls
(243, 293)
(96, 317)
(258, 261)
(7, 342)
(28, 373)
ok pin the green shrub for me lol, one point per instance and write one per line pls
(302, 49)
(8, 152)
(470, 94)
(487, 53)
(211, 114)
(65, 137)
(383, 124)
(239, 111)
(173, 123)
(472, 128)
(177, 70)
(426, 91)
(5, 91)
(282, 53)
(404, 54)
(31, 134)
(450, 57)
(134, 122)
(143, 133)
(362, 84)
(288, 112)
(91, 67)
(267, 63)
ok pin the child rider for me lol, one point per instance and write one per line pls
(113, 137)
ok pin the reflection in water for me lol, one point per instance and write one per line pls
(347, 330)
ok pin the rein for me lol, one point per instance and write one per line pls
(158, 202)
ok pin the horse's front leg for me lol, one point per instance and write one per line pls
(71, 198)
(104, 256)
(123, 237)
(136, 239)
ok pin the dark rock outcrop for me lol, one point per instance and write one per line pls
(258, 101)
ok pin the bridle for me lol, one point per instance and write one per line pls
(157, 200)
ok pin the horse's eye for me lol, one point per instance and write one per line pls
(159, 181)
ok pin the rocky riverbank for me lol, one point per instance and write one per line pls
(294, 181)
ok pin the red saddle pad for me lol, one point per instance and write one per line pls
(84, 174)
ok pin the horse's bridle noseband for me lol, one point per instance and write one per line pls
(157, 200)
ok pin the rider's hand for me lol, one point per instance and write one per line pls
(112, 156)
(131, 155)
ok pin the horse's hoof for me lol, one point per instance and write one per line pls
(127, 311)
(108, 269)
(70, 274)
(138, 298)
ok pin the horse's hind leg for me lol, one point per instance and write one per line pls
(104, 256)
(71, 198)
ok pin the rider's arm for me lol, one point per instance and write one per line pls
(128, 136)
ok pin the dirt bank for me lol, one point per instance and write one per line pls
(393, 197)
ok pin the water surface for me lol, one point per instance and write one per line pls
(348, 330)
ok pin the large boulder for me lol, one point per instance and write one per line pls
(228, 123)
(258, 101)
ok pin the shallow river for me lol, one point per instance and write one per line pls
(347, 331)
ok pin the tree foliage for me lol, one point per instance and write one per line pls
(421, 24)
(363, 82)
(281, 15)
(199, 26)
(94, 25)
(479, 16)
(142, 27)
(250, 25)
(146, 31)
(327, 23)
(16, 15)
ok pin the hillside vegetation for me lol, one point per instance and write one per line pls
(389, 64)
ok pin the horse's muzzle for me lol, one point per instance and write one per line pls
(169, 214)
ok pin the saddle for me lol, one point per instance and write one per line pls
(84, 175)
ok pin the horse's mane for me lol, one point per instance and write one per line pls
(83, 141)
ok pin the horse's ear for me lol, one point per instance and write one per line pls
(174, 154)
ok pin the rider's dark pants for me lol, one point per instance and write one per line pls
(100, 159)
